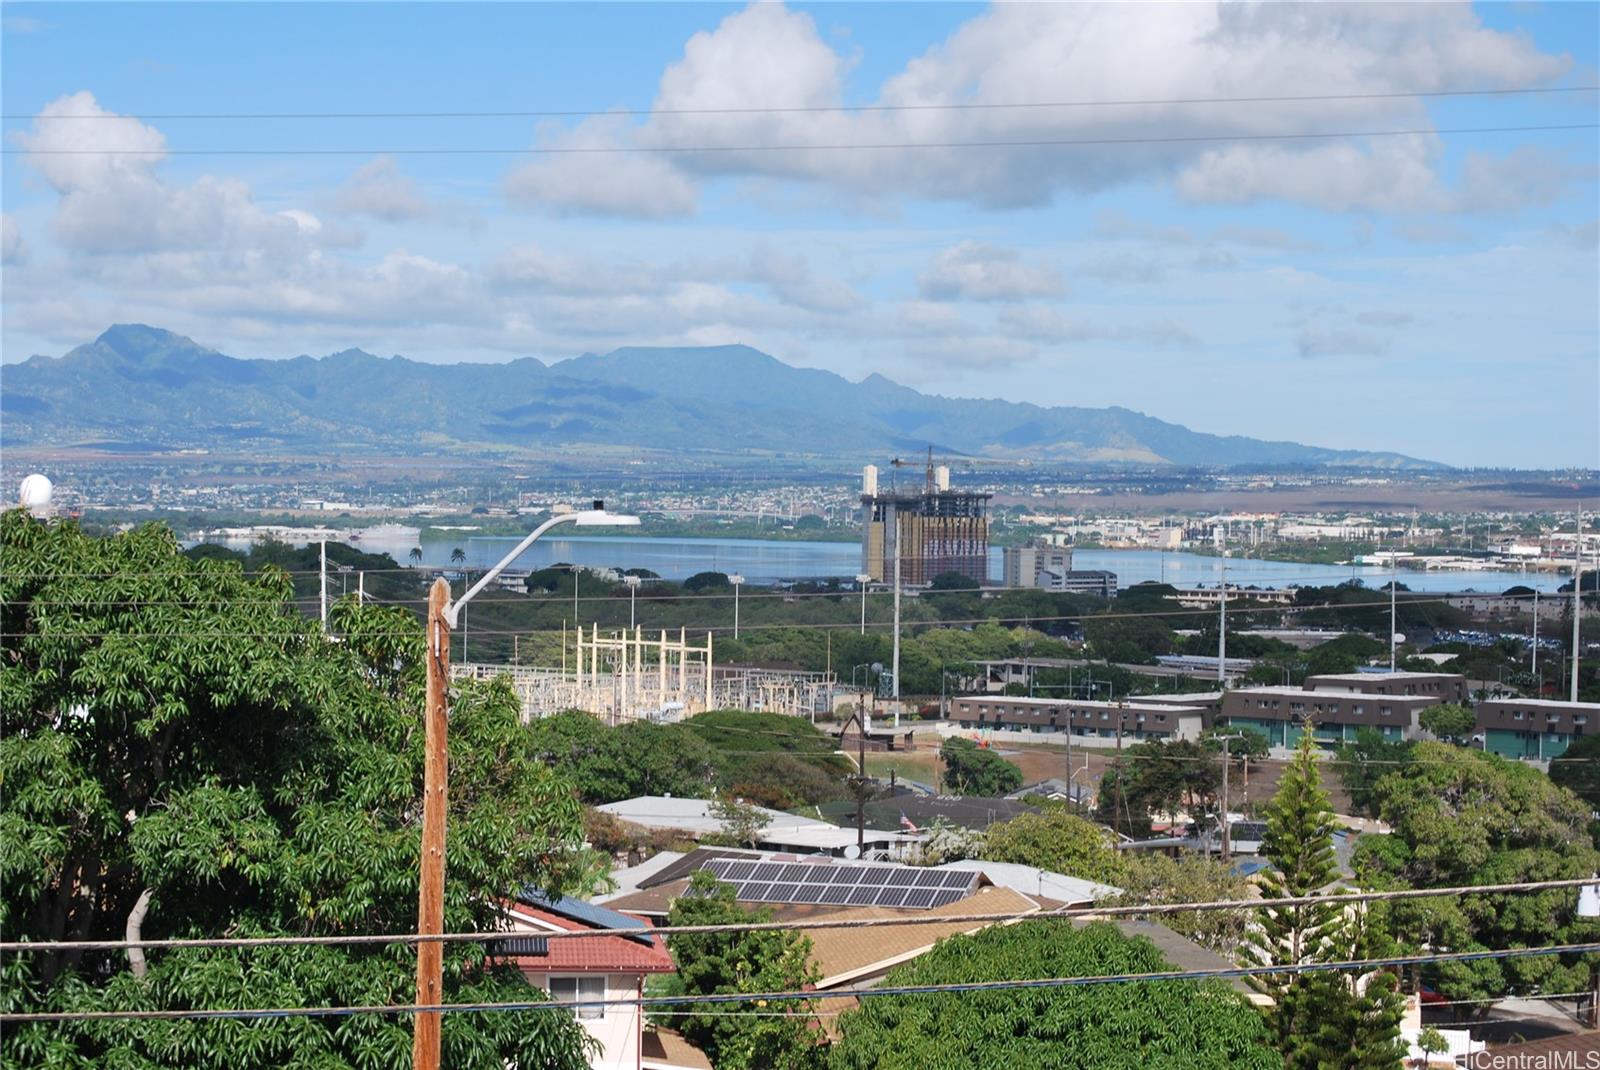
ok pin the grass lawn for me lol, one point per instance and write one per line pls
(920, 766)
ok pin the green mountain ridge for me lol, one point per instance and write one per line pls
(144, 384)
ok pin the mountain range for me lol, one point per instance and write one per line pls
(143, 387)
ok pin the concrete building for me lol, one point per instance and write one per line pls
(1093, 722)
(1534, 728)
(1438, 686)
(1280, 713)
(1037, 565)
(933, 530)
(1049, 568)
(1207, 597)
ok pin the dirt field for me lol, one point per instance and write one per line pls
(1039, 762)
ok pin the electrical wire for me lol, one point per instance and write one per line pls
(803, 997)
(816, 108)
(1085, 913)
(1020, 143)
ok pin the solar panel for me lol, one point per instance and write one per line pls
(845, 874)
(782, 893)
(767, 871)
(755, 892)
(892, 897)
(863, 895)
(738, 871)
(956, 878)
(809, 893)
(948, 896)
(796, 873)
(904, 878)
(837, 893)
(874, 875)
(930, 879)
(919, 897)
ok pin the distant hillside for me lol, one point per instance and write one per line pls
(142, 385)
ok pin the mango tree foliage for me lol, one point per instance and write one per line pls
(1168, 1025)
(1463, 817)
(179, 743)
(754, 1035)
(1058, 841)
(973, 770)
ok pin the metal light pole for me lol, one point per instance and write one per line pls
(738, 581)
(1393, 621)
(633, 589)
(442, 616)
(577, 570)
(863, 580)
(1538, 690)
(1577, 603)
(895, 680)
(1222, 625)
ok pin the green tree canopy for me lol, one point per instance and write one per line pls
(731, 962)
(1463, 817)
(1169, 1025)
(706, 581)
(1058, 841)
(973, 770)
(1448, 721)
(1190, 878)
(176, 739)
(1578, 770)
(1367, 760)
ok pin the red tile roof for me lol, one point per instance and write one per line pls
(590, 954)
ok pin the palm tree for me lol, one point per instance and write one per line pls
(458, 556)
(416, 555)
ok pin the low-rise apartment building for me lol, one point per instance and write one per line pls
(1438, 686)
(1534, 728)
(1281, 713)
(1134, 721)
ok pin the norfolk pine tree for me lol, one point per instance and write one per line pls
(1319, 1020)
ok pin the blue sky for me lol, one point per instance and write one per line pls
(1433, 293)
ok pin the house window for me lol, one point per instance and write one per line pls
(574, 989)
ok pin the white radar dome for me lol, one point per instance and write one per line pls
(34, 495)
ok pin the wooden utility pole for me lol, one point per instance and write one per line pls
(1227, 845)
(430, 899)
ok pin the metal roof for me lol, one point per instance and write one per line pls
(587, 913)
(835, 882)
(522, 945)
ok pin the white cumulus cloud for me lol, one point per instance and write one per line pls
(980, 271)
(13, 250)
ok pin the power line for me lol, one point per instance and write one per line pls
(818, 108)
(1082, 981)
(1068, 913)
(1022, 143)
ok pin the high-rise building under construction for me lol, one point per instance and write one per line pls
(937, 529)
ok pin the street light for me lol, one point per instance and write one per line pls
(738, 581)
(442, 614)
(633, 589)
(862, 581)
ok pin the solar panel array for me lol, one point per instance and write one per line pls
(842, 885)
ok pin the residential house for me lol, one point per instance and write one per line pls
(589, 971)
